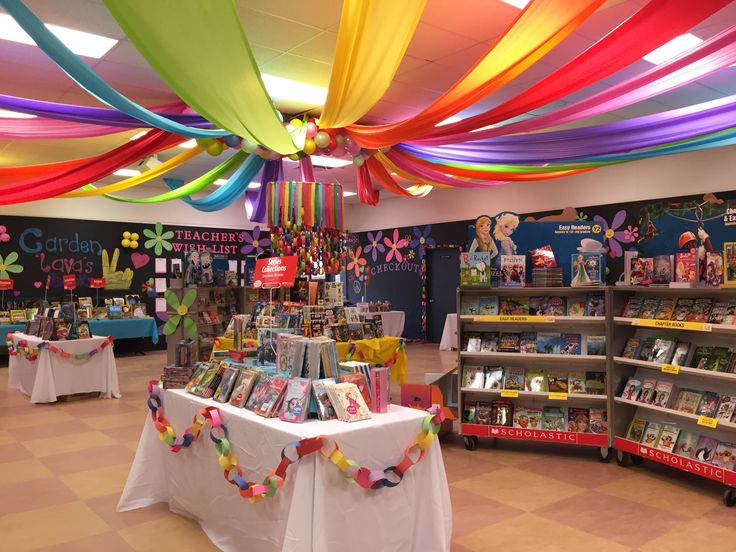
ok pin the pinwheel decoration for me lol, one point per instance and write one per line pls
(181, 313)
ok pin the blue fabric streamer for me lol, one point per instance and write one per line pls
(91, 81)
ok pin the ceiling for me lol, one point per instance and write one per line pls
(296, 40)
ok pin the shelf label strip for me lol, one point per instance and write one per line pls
(707, 422)
(670, 369)
(509, 318)
(510, 393)
(556, 396)
(673, 325)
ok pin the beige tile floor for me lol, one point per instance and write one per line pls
(62, 468)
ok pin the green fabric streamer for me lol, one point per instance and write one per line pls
(200, 50)
(196, 185)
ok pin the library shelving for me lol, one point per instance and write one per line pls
(529, 405)
(699, 441)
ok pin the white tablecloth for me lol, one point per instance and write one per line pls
(393, 323)
(50, 375)
(449, 333)
(316, 510)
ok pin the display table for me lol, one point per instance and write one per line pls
(54, 373)
(316, 510)
(126, 328)
(449, 333)
(385, 350)
(5, 329)
(393, 323)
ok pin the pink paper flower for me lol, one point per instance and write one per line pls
(4, 236)
(395, 247)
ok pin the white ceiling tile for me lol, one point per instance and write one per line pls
(431, 43)
(489, 17)
(320, 48)
(322, 14)
(275, 32)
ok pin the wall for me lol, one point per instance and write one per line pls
(676, 175)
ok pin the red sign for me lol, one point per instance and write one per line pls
(504, 432)
(6, 284)
(275, 272)
(70, 281)
(96, 283)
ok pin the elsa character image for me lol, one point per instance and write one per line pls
(483, 241)
(581, 277)
(506, 224)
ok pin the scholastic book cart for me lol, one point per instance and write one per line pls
(532, 365)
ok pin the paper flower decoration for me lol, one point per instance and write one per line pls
(253, 242)
(148, 288)
(159, 239)
(394, 247)
(421, 240)
(130, 239)
(7, 265)
(4, 236)
(181, 313)
(374, 245)
(356, 261)
(613, 235)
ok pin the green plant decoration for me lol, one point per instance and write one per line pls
(181, 313)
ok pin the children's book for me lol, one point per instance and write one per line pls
(469, 409)
(535, 380)
(489, 342)
(536, 418)
(726, 408)
(227, 382)
(513, 378)
(554, 419)
(595, 304)
(513, 270)
(708, 405)
(509, 342)
(467, 337)
(632, 307)
(713, 268)
(577, 382)
(686, 267)
(649, 307)
(488, 305)
(662, 270)
(469, 305)
(705, 449)
(598, 420)
(295, 406)
(631, 348)
(686, 443)
(502, 413)
(688, 400)
(595, 345)
(361, 383)
(700, 357)
(719, 312)
(642, 271)
(83, 331)
(725, 456)
(636, 430)
(578, 419)
(631, 389)
(538, 306)
(528, 342)
(683, 309)
(521, 418)
(557, 381)
(570, 344)
(646, 395)
(729, 260)
(664, 393)
(493, 377)
(243, 386)
(668, 437)
(200, 369)
(679, 357)
(475, 269)
(325, 410)
(576, 306)
(701, 310)
(645, 351)
(595, 383)
(651, 434)
(351, 406)
(267, 395)
(548, 343)
(483, 413)
(514, 306)
(666, 309)
(662, 350)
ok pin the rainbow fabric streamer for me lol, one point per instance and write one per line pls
(304, 203)
(290, 454)
(24, 350)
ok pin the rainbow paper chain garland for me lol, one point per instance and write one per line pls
(290, 454)
(24, 350)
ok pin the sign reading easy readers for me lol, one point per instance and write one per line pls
(275, 272)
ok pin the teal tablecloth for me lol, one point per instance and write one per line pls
(8, 328)
(126, 328)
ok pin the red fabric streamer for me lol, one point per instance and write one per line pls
(366, 193)
(32, 183)
(384, 177)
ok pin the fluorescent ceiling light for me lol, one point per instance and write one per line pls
(127, 172)
(673, 48)
(286, 89)
(189, 144)
(521, 4)
(220, 181)
(483, 128)
(81, 43)
(140, 134)
(348, 194)
(254, 185)
(449, 120)
(326, 162)
(5, 114)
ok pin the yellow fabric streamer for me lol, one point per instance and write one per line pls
(140, 179)
(371, 43)
(421, 189)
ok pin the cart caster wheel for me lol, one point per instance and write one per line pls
(636, 459)
(471, 443)
(729, 497)
(605, 454)
(623, 459)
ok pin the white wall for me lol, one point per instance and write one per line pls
(675, 175)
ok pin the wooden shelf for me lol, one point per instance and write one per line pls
(531, 291)
(518, 433)
(682, 292)
(538, 395)
(684, 370)
(536, 357)
(672, 413)
(545, 320)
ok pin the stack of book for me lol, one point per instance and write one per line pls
(547, 277)
(176, 377)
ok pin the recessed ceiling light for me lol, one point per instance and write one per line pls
(140, 134)
(521, 4)
(280, 88)
(189, 144)
(127, 172)
(327, 162)
(79, 42)
(449, 120)
(348, 194)
(673, 48)
(5, 114)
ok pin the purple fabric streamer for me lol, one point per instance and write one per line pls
(621, 136)
(273, 171)
(435, 176)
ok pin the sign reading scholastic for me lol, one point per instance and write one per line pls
(6, 284)
(275, 272)
(70, 281)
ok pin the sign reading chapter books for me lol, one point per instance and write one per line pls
(275, 272)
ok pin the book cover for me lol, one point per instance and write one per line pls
(705, 449)
(378, 323)
(469, 409)
(204, 382)
(469, 305)
(664, 393)
(225, 388)
(556, 306)
(243, 386)
(325, 410)
(679, 357)
(598, 420)
(528, 342)
(493, 378)
(489, 342)
(513, 270)
(683, 309)
(686, 443)
(83, 331)
(595, 383)
(631, 389)
(483, 413)
(686, 267)
(509, 342)
(713, 268)
(475, 269)
(729, 261)
(701, 310)
(636, 430)
(578, 419)
(651, 434)
(700, 356)
(649, 307)
(267, 395)
(688, 400)
(513, 378)
(595, 304)
(502, 413)
(295, 406)
(631, 348)
(513, 306)
(708, 405)
(642, 271)
(521, 418)
(646, 395)
(725, 456)
(549, 343)
(666, 309)
(488, 305)
(662, 350)
(538, 306)
(360, 382)
(369, 331)
(471, 342)
(557, 381)
(535, 379)
(554, 419)
(718, 360)
(576, 305)
(632, 306)
(577, 382)
(726, 408)
(535, 417)
(718, 312)
(570, 344)
(200, 369)
(595, 345)
(351, 402)
(662, 270)
(668, 437)
(645, 350)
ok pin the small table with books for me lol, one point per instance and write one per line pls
(45, 370)
(316, 508)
